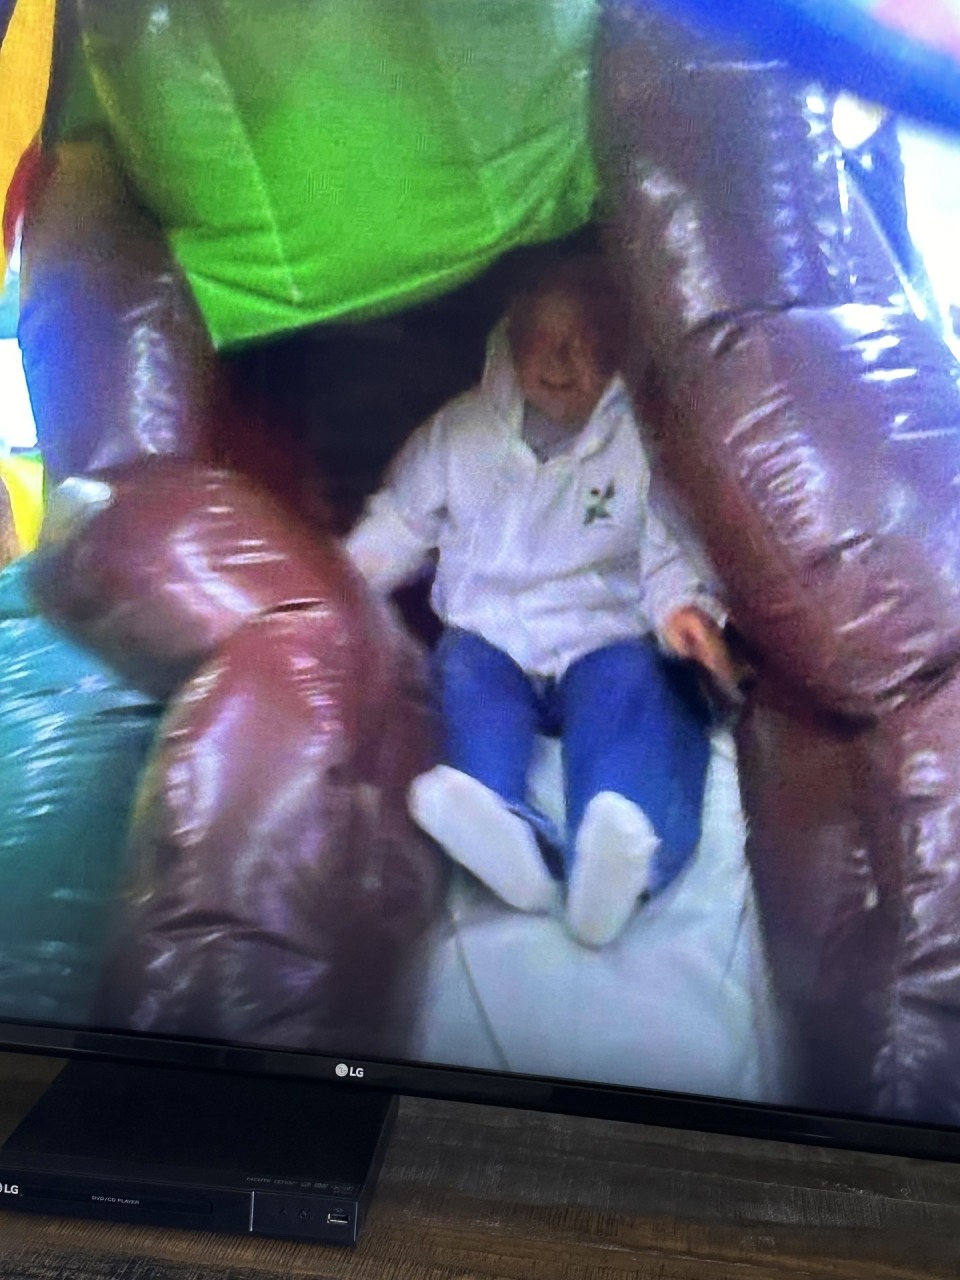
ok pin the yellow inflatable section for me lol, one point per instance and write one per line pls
(25, 58)
(22, 477)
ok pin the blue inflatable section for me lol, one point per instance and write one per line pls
(842, 45)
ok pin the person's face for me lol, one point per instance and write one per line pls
(556, 367)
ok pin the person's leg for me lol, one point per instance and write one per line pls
(489, 714)
(474, 804)
(635, 759)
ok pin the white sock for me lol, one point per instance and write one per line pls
(476, 829)
(614, 850)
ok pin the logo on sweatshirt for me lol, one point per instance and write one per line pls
(598, 507)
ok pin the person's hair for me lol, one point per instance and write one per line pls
(585, 281)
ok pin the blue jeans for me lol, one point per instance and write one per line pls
(629, 721)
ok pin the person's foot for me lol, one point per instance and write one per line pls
(477, 830)
(614, 852)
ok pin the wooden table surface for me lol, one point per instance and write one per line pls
(479, 1193)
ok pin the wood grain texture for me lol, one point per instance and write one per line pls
(478, 1193)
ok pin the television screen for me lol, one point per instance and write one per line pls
(496, 609)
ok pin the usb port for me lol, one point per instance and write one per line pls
(338, 1218)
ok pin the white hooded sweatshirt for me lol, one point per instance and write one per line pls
(546, 560)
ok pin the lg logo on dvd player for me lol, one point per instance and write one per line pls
(343, 1070)
(13, 1190)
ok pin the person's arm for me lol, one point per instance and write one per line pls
(402, 521)
(687, 614)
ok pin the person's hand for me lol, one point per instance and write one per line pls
(691, 633)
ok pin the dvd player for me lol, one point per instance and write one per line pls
(294, 1159)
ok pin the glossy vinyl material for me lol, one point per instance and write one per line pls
(156, 564)
(368, 155)
(117, 359)
(9, 542)
(26, 46)
(912, 818)
(277, 889)
(725, 175)
(809, 425)
(876, 274)
(854, 859)
(73, 741)
(895, 52)
(825, 486)
(813, 870)
(21, 482)
(277, 893)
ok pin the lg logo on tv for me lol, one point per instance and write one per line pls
(13, 1190)
(343, 1070)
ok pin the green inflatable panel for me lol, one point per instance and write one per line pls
(73, 741)
(315, 160)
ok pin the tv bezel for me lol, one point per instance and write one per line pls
(448, 1082)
